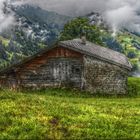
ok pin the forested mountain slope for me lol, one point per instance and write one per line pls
(37, 28)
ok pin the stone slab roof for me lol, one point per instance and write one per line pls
(98, 52)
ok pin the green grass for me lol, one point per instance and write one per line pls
(134, 82)
(63, 114)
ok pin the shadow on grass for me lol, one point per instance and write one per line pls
(133, 91)
(71, 93)
(67, 93)
(60, 92)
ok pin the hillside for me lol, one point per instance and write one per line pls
(124, 42)
(35, 29)
(66, 114)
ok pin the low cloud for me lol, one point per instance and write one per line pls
(119, 14)
(123, 14)
(6, 16)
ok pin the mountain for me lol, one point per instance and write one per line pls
(35, 29)
(39, 23)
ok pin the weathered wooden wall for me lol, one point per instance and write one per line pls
(57, 67)
(55, 73)
(58, 52)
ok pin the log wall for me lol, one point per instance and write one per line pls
(57, 67)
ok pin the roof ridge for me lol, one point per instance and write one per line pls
(78, 39)
(97, 50)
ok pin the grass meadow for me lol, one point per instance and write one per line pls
(67, 114)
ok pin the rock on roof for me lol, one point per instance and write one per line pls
(98, 52)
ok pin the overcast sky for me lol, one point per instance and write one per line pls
(117, 13)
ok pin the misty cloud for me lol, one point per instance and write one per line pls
(5, 19)
(71, 7)
(121, 14)
(118, 14)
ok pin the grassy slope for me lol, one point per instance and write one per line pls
(10, 54)
(57, 114)
(125, 40)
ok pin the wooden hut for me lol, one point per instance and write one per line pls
(71, 63)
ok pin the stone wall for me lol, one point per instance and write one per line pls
(100, 76)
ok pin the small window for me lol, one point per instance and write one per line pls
(76, 70)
